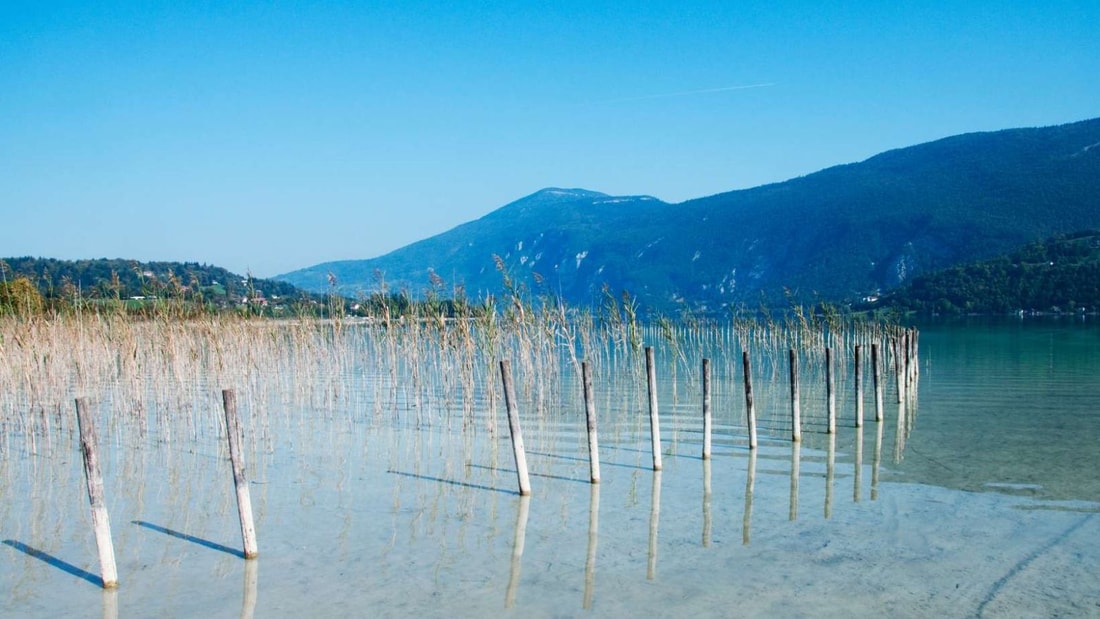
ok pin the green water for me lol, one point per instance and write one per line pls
(1009, 403)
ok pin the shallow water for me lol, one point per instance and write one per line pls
(984, 502)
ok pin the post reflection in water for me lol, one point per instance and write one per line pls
(654, 517)
(857, 488)
(899, 436)
(517, 549)
(796, 456)
(830, 475)
(750, 485)
(877, 461)
(593, 531)
(706, 503)
(251, 580)
(110, 603)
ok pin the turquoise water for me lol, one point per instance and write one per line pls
(1009, 403)
(982, 502)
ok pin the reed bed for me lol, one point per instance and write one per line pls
(426, 367)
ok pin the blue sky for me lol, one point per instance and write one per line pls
(266, 137)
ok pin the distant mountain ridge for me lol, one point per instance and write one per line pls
(839, 234)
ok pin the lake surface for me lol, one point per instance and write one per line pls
(982, 502)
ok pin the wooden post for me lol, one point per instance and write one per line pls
(750, 409)
(101, 524)
(913, 365)
(708, 421)
(898, 379)
(513, 428)
(876, 374)
(654, 421)
(830, 391)
(244, 500)
(859, 386)
(590, 414)
(796, 406)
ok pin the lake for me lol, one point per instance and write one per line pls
(979, 498)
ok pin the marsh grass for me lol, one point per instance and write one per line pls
(426, 365)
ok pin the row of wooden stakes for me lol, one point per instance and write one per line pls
(905, 369)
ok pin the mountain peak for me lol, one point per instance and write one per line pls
(838, 234)
(568, 194)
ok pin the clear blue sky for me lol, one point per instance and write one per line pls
(273, 136)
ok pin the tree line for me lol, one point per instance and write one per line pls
(1055, 275)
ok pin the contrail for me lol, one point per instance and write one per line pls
(684, 93)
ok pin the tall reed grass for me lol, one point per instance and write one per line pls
(430, 364)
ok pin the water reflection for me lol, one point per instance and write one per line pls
(590, 561)
(706, 503)
(830, 474)
(877, 462)
(251, 582)
(110, 604)
(654, 518)
(899, 435)
(796, 456)
(750, 486)
(857, 487)
(517, 549)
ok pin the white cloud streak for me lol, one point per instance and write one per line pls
(686, 93)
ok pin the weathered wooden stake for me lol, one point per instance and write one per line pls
(859, 386)
(244, 500)
(707, 418)
(796, 406)
(750, 409)
(654, 421)
(590, 414)
(830, 390)
(513, 428)
(101, 524)
(898, 379)
(876, 375)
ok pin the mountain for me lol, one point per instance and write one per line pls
(840, 234)
(1057, 274)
